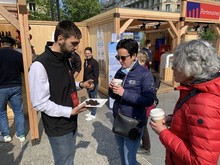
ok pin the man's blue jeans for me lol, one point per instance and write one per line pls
(63, 148)
(14, 96)
(93, 94)
(127, 149)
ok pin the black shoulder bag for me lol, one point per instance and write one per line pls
(127, 127)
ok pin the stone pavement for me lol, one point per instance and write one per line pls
(95, 141)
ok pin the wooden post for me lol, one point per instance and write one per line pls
(27, 60)
(172, 39)
(117, 24)
(217, 31)
(179, 27)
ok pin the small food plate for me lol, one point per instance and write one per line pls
(100, 101)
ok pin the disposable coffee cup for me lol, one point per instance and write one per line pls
(118, 82)
(157, 115)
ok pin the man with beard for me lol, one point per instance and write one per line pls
(53, 92)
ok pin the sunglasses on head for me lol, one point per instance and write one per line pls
(75, 43)
(123, 58)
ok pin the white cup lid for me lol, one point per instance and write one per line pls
(118, 80)
(157, 112)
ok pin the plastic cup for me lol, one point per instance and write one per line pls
(157, 115)
(118, 82)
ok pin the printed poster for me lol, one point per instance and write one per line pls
(101, 58)
(114, 65)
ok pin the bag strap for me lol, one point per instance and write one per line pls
(191, 94)
(121, 96)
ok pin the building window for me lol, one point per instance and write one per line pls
(158, 8)
(178, 8)
(168, 7)
(32, 6)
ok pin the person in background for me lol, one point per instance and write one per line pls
(193, 136)
(53, 92)
(149, 53)
(137, 92)
(91, 71)
(142, 58)
(11, 68)
(75, 63)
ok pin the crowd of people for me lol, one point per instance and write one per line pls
(190, 135)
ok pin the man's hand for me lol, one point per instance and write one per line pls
(80, 108)
(88, 84)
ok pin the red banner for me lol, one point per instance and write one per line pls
(201, 10)
(209, 11)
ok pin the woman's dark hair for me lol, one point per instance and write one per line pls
(129, 44)
(67, 29)
(147, 42)
(88, 48)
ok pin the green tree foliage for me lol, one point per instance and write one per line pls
(79, 10)
(43, 11)
(208, 35)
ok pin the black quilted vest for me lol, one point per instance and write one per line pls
(57, 69)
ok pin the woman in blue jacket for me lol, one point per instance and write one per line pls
(136, 93)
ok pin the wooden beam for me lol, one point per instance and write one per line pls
(171, 33)
(152, 31)
(183, 30)
(173, 28)
(117, 24)
(125, 25)
(11, 7)
(27, 60)
(217, 31)
(9, 17)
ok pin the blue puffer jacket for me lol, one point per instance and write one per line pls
(139, 92)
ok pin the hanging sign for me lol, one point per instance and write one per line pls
(204, 11)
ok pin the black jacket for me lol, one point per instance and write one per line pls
(91, 70)
(11, 66)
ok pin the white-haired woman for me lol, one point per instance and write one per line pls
(194, 134)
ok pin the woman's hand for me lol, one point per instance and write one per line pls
(157, 127)
(80, 108)
(168, 120)
(117, 89)
(111, 83)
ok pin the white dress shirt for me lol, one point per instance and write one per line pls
(40, 93)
